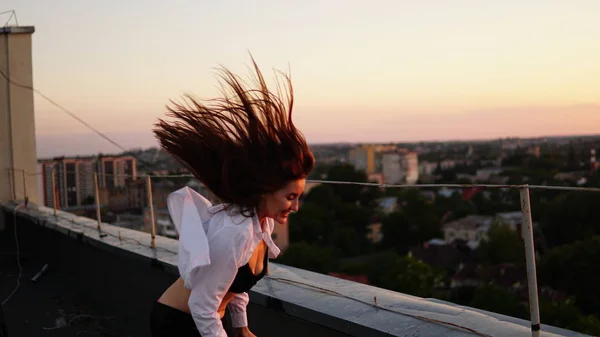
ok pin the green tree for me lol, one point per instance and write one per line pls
(572, 162)
(594, 180)
(323, 195)
(496, 299)
(318, 172)
(503, 245)
(349, 241)
(571, 217)
(345, 209)
(448, 177)
(422, 214)
(403, 274)
(312, 223)
(454, 205)
(544, 163)
(515, 160)
(348, 215)
(369, 196)
(489, 205)
(398, 233)
(346, 172)
(567, 315)
(572, 268)
(310, 257)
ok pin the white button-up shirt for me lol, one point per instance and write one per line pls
(213, 244)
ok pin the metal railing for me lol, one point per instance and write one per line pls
(525, 201)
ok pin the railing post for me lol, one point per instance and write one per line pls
(97, 193)
(527, 230)
(151, 208)
(11, 174)
(54, 190)
(24, 185)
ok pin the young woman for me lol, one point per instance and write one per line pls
(244, 147)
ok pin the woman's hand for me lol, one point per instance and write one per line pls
(242, 332)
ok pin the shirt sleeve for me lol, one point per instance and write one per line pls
(237, 309)
(209, 284)
(188, 215)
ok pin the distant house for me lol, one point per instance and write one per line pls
(485, 174)
(512, 219)
(472, 228)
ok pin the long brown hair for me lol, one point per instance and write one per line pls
(240, 145)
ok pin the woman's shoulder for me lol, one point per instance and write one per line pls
(228, 218)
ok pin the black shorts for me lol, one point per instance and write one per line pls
(168, 321)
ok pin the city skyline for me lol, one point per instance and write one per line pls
(84, 142)
(50, 146)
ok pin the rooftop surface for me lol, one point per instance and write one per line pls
(57, 304)
(103, 284)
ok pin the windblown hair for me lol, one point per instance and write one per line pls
(241, 145)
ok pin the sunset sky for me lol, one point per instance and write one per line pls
(362, 70)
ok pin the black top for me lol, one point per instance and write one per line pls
(245, 279)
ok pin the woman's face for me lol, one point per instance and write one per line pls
(279, 204)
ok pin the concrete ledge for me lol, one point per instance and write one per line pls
(346, 308)
(17, 30)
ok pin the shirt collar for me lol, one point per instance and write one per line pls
(269, 226)
(259, 233)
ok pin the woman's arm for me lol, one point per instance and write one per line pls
(210, 283)
(237, 309)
